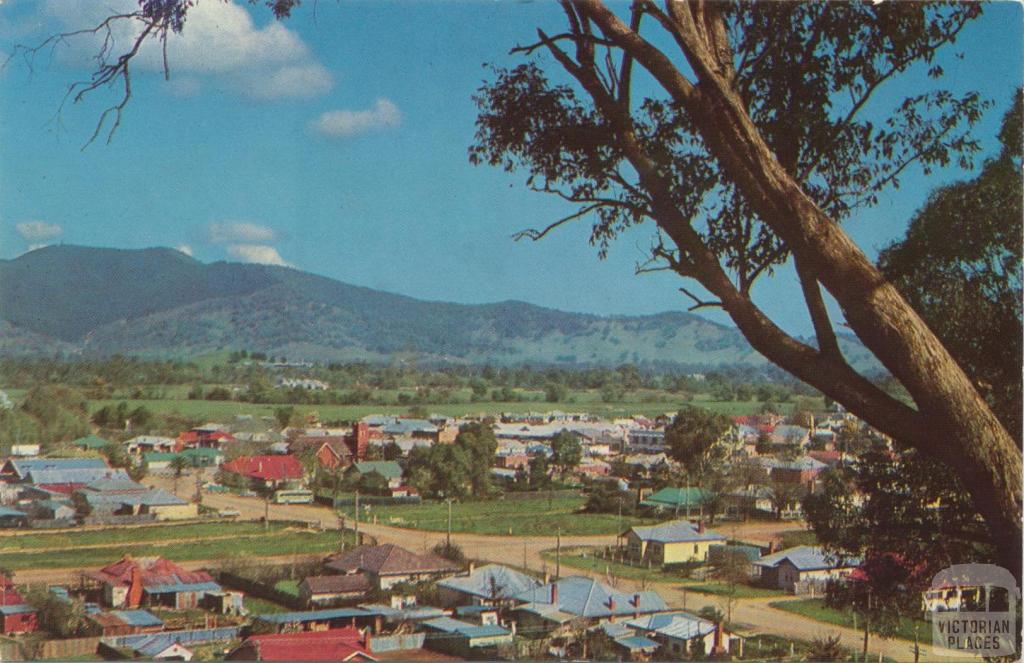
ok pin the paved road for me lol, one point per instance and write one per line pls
(755, 614)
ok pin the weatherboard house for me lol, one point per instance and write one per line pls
(490, 585)
(674, 542)
(134, 582)
(575, 598)
(387, 565)
(794, 568)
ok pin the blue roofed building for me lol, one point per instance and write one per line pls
(682, 635)
(17, 469)
(673, 542)
(12, 517)
(458, 637)
(573, 598)
(492, 584)
(804, 569)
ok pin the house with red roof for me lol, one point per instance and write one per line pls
(266, 471)
(340, 644)
(16, 616)
(131, 582)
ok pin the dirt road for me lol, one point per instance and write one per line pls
(755, 615)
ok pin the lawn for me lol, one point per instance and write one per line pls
(818, 611)
(536, 516)
(798, 537)
(589, 562)
(156, 534)
(288, 587)
(258, 606)
(276, 541)
(742, 591)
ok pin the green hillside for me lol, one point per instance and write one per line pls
(159, 302)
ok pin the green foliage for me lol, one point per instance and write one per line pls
(827, 648)
(450, 551)
(605, 497)
(960, 267)
(567, 452)
(62, 618)
(480, 445)
(897, 513)
(692, 438)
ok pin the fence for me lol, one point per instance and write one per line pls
(197, 636)
(72, 648)
(100, 519)
(375, 500)
(542, 494)
(397, 642)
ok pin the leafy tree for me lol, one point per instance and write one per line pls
(373, 483)
(732, 569)
(764, 443)
(540, 472)
(63, 618)
(785, 495)
(443, 470)
(392, 451)
(566, 451)
(885, 504)
(450, 551)
(555, 392)
(960, 267)
(480, 445)
(693, 439)
(284, 415)
(179, 464)
(743, 166)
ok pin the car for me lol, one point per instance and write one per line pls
(230, 513)
(215, 488)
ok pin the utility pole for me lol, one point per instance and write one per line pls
(525, 567)
(448, 537)
(357, 517)
(558, 553)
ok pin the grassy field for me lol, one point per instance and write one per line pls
(255, 542)
(648, 403)
(817, 610)
(258, 606)
(288, 587)
(156, 534)
(536, 516)
(742, 591)
(593, 564)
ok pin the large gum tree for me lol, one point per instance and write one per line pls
(738, 129)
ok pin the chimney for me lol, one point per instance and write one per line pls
(547, 577)
(719, 647)
(554, 594)
(611, 603)
(472, 567)
(700, 527)
(771, 547)
(636, 606)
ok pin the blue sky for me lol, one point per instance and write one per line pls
(336, 142)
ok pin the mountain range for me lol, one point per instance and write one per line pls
(160, 302)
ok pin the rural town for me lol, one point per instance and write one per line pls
(584, 330)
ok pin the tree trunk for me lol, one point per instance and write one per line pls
(952, 421)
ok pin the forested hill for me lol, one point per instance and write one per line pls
(160, 302)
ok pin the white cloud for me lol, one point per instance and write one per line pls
(186, 249)
(301, 80)
(345, 123)
(257, 253)
(38, 231)
(220, 42)
(33, 247)
(230, 232)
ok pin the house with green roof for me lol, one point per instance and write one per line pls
(677, 500)
(388, 469)
(197, 457)
(90, 443)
